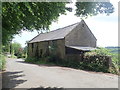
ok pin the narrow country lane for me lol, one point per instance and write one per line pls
(23, 75)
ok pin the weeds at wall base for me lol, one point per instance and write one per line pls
(72, 64)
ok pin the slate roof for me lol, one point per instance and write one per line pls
(53, 35)
(82, 48)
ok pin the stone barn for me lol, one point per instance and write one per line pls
(69, 42)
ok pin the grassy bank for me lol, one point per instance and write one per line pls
(2, 62)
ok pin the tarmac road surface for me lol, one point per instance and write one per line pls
(24, 75)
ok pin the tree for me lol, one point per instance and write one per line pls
(25, 51)
(39, 15)
(6, 48)
(85, 9)
(28, 16)
(17, 49)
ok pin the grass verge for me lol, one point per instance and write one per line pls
(2, 62)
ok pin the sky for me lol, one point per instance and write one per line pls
(105, 28)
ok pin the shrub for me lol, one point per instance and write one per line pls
(35, 60)
(2, 62)
(95, 60)
(99, 52)
(70, 63)
(116, 65)
(30, 60)
(52, 58)
(98, 60)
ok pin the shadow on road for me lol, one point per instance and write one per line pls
(10, 79)
(48, 88)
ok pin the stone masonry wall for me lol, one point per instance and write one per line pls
(81, 36)
(41, 49)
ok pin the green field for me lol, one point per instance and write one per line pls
(114, 49)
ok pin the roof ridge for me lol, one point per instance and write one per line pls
(59, 29)
(54, 30)
(64, 27)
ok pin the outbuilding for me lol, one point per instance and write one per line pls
(69, 42)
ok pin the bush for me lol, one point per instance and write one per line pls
(52, 58)
(70, 63)
(95, 60)
(92, 67)
(116, 65)
(43, 60)
(2, 62)
(30, 60)
(100, 58)
(99, 52)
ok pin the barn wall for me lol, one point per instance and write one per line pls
(73, 54)
(81, 36)
(30, 50)
(75, 57)
(41, 49)
(60, 49)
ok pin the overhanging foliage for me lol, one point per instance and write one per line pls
(17, 16)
